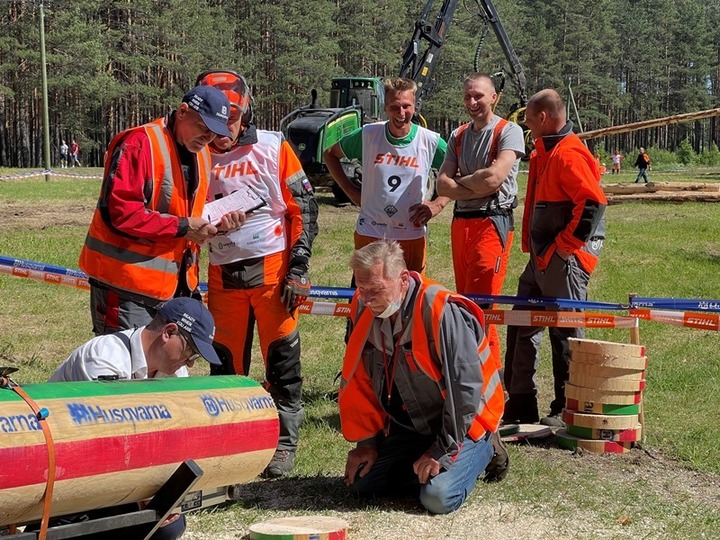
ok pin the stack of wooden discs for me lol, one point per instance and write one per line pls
(603, 396)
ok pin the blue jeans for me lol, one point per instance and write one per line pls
(392, 473)
(642, 173)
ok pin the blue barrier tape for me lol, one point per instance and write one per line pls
(41, 267)
(344, 293)
(679, 304)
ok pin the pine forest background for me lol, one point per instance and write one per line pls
(113, 64)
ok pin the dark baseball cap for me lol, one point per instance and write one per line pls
(193, 317)
(213, 107)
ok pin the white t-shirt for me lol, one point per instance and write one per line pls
(108, 355)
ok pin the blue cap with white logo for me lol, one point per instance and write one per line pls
(193, 317)
(213, 107)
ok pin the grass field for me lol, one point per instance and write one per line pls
(667, 489)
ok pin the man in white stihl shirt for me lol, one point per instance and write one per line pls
(396, 158)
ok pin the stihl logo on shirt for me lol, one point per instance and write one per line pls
(393, 159)
(242, 168)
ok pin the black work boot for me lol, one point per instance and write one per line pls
(281, 463)
(499, 465)
(521, 409)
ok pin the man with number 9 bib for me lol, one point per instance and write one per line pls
(396, 158)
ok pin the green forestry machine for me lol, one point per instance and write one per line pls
(355, 101)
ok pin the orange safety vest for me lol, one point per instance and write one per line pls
(361, 413)
(494, 145)
(139, 266)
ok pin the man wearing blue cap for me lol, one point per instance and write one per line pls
(144, 239)
(182, 331)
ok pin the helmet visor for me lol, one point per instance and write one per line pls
(233, 85)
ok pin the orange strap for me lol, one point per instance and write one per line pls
(495, 139)
(41, 414)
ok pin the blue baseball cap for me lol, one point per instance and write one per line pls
(213, 107)
(192, 316)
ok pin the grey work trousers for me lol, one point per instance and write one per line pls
(561, 279)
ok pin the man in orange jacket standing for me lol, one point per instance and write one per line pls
(143, 243)
(420, 394)
(563, 230)
(259, 272)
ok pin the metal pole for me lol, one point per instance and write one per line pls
(572, 100)
(46, 115)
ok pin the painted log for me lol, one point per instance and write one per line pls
(118, 441)
(300, 528)
(569, 442)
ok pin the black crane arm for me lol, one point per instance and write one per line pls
(489, 14)
(421, 55)
(418, 64)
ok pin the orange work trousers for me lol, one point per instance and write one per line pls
(414, 251)
(236, 310)
(480, 263)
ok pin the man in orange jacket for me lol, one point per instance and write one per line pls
(420, 394)
(143, 243)
(563, 230)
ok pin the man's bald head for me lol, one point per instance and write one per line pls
(546, 113)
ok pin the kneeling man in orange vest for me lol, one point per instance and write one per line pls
(420, 395)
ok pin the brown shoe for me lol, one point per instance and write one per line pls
(499, 465)
(281, 463)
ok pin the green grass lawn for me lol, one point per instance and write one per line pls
(653, 249)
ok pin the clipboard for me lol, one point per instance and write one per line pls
(245, 199)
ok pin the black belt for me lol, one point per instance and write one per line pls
(474, 214)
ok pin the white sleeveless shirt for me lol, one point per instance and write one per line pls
(254, 165)
(394, 179)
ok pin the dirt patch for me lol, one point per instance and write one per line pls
(24, 217)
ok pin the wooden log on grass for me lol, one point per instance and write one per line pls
(653, 187)
(117, 442)
(666, 196)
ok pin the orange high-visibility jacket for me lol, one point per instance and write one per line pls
(564, 204)
(449, 384)
(139, 265)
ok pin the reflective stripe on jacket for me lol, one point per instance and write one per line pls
(436, 401)
(140, 265)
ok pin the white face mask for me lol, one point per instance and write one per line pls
(392, 308)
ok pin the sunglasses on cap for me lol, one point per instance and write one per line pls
(233, 85)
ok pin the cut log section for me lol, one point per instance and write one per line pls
(602, 408)
(565, 440)
(599, 421)
(579, 369)
(616, 435)
(606, 348)
(606, 360)
(614, 397)
(119, 441)
(300, 528)
(528, 431)
(610, 385)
